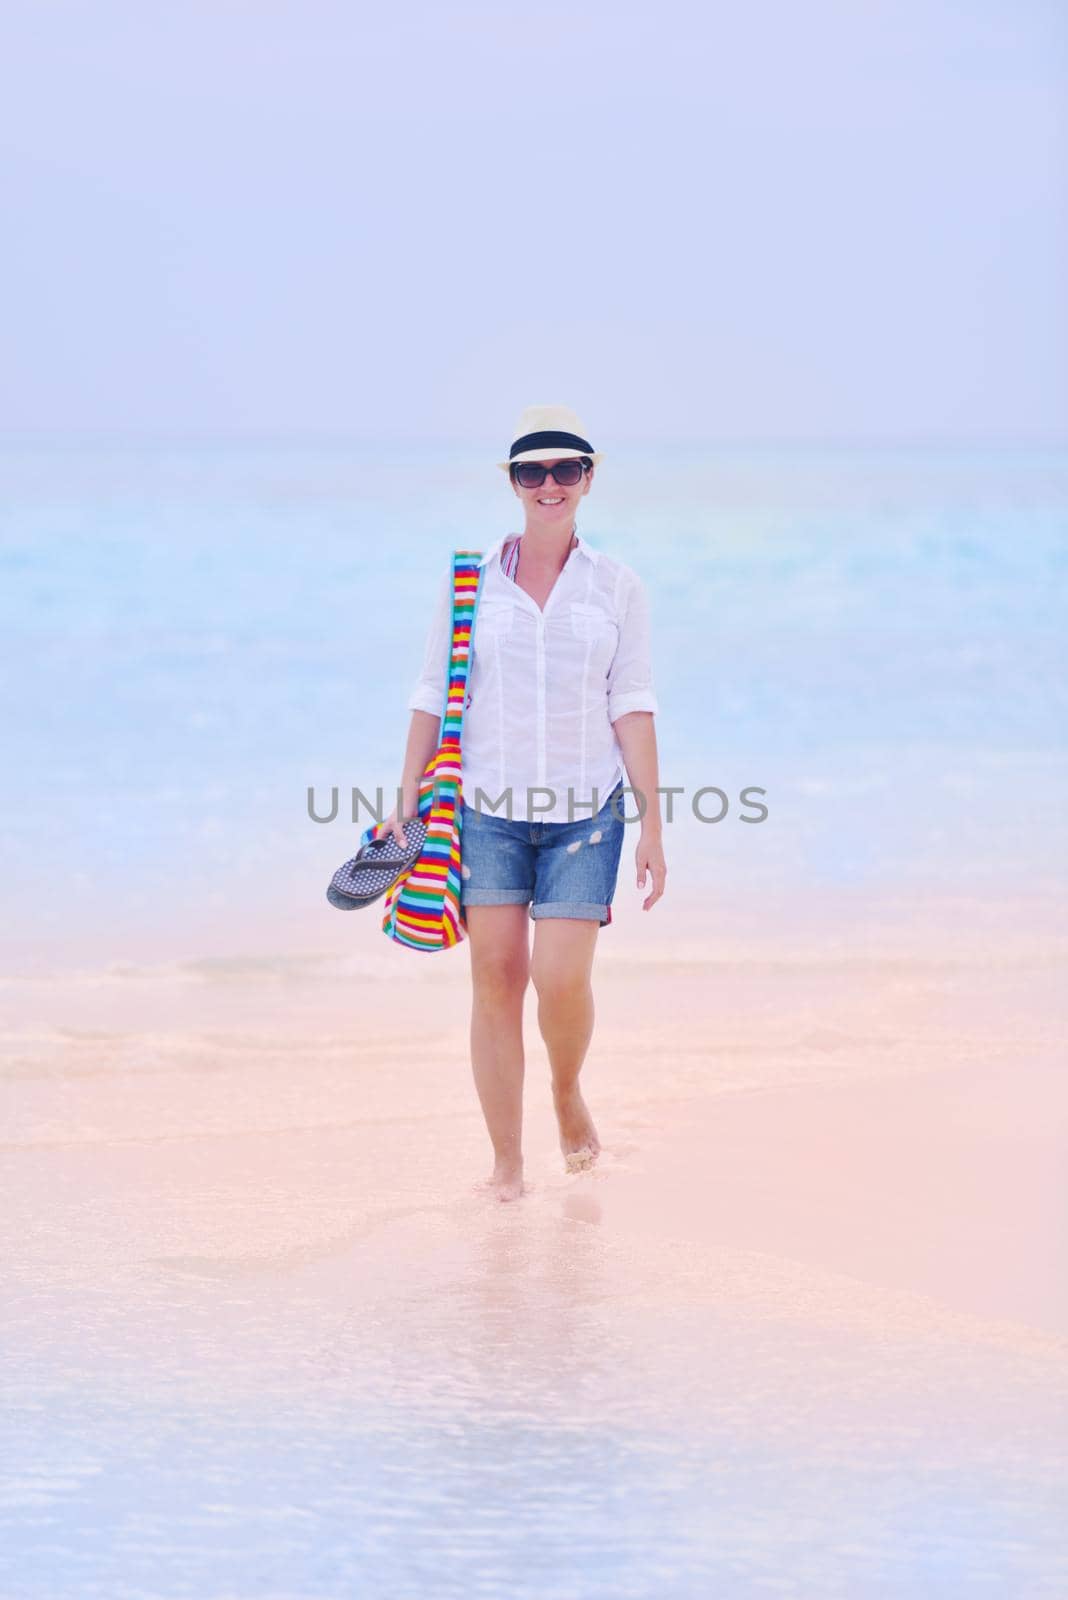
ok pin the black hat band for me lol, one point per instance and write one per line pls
(546, 440)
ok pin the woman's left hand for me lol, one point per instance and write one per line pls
(650, 855)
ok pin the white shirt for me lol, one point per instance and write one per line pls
(544, 688)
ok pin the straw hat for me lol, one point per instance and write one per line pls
(548, 433)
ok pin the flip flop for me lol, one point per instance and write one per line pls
(375, 867)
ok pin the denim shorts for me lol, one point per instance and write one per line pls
(562, 869)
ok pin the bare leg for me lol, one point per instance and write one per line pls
(500, 971)
(562, 962)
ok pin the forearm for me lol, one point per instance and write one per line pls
(636, 732)
(424, 736)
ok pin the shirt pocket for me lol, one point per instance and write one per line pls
(493, 619)
(592, 622)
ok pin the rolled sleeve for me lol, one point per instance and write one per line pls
(428, 692)
(630, 677)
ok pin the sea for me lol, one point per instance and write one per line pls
(858, 656)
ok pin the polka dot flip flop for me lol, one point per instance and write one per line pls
(375, 868)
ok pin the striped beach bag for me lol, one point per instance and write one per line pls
(422, 908)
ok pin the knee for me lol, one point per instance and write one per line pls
(500, 978)
(560, 985)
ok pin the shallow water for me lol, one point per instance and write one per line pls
(803, 1330)
(518, 1423)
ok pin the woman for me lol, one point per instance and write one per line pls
(560, 697)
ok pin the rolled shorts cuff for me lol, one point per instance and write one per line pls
(588, 912)
(495, 897)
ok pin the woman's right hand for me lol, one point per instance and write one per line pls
(409, 810)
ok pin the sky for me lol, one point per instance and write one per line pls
(843, 222)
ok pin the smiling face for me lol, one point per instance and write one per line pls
(554, 504)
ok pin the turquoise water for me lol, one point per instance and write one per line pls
(197, 634)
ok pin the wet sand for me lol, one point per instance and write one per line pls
(803, 1329)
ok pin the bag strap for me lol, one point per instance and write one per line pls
(466, 589)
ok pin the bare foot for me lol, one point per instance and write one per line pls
(506, 1180)
(578, 1136)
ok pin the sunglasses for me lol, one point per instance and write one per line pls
(531, 474)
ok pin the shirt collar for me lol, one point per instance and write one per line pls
(582, 547)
